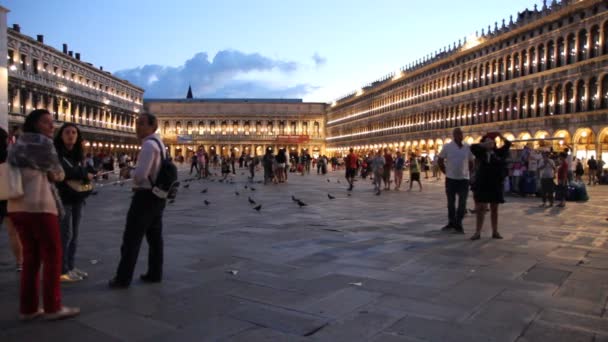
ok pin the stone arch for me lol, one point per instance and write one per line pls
(525, 135)
(583, 143)
(602, 145)
(565, 139)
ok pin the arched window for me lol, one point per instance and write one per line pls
(178, 127)
(189, 127)
(594, 97)
(516, 68)
(604, 92)
(580, 96)
(539, 103)
(524, 63)
(494, 72)
(201, 127)
(569, 98)
(605, 32)
(561, 52)
(559, 99)
(166, 127)
(508, 68)
(582, 44)
(570, 51)
(533, 61)
(595, 41)
(550, 54)
(529, 104)
(542, 61)
(549, 102)
(501, 70)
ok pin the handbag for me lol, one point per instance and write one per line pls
(79, 186)
(11, 183)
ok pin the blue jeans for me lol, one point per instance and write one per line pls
(455, 187)
(69, 234)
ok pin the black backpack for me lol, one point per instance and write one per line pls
(166, 183)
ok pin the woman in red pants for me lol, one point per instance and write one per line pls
(36, 217)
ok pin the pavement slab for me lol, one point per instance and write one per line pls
(357, 268)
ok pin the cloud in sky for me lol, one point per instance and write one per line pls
(223, 76)
(319, 61)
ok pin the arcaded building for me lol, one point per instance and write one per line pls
(39, 76)
(223, 126)
(542, 74)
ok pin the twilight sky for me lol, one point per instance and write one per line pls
(317, 50)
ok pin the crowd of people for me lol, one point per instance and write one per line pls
(43, 221)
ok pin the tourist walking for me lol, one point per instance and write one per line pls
(489, 187)
(388, 167)
(351, 164)
(399, 166)
(145, 214)
(592, 164)
(267, 163)
(546, 168)
(68, 143)
(36, 217)
(378, 171)
(414, 171)
(456, 162)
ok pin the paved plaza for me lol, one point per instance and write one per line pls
(354, 268)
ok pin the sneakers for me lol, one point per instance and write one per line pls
(82, 274)
(63, 313)
(70, 277)
(29, 317)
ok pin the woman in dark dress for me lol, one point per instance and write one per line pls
(489, 180)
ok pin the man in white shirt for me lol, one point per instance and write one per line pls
(146, 211)
(455, 161)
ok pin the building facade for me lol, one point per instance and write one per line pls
(540, 75)
(251, 126)
(39, 76)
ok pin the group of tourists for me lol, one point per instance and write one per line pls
(43, 219)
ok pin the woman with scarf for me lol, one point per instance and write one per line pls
(489, 180)
(68, 143)
(36, 217)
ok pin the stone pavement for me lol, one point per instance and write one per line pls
(356, 268)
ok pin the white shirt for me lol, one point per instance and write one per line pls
(148, 162)
(456, 160)
(546, 168)
(571, 164)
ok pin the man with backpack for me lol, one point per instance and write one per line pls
(154, 180)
